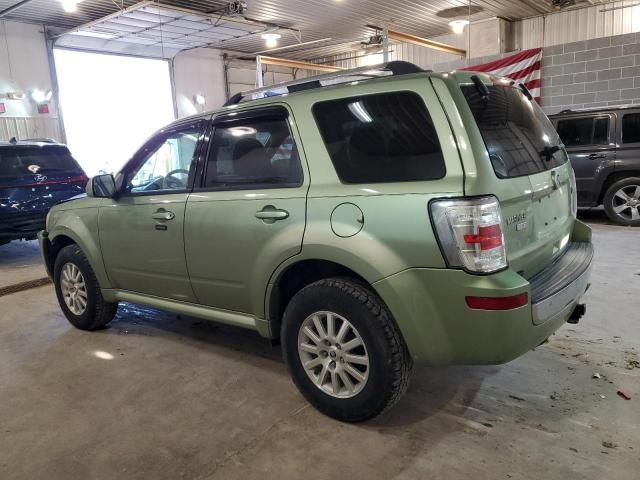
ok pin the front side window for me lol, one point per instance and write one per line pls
(576, 132)
(519, 137)
(631, 128)
(167, 166)
(253, 153)
(386, 137)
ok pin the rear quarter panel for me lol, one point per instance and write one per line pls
(396, 232)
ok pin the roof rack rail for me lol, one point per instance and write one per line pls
(343, 76)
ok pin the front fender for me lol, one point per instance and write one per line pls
(81, 226)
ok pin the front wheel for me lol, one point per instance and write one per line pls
(622, 202)
(78, 291)
(344, 350)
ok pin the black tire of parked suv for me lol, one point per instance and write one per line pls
(98, 313)
(611, 201)
(390, 362)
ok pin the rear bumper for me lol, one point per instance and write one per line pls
(439, 328)
(45, 248)
(16, 227)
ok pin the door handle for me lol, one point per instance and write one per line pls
(270, 214)
(163, 215)
(594, 156)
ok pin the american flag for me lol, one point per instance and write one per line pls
(523, 67)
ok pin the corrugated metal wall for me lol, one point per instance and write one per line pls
(29, 127)
(582, 24)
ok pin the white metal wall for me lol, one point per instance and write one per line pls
(581, 24)
(29, 127)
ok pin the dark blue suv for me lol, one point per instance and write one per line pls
(34, 176)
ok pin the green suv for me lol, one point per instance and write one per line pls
(370, 220)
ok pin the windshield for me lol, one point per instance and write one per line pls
(519, 137)
(20, 161)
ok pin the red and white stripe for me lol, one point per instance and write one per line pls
(523, 67)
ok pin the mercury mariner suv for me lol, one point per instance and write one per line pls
(370, 220)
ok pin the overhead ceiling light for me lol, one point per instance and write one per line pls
(200, 99)
(70, 6)
(458, 26)
(271, 39)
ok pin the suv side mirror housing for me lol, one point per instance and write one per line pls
(102, 186)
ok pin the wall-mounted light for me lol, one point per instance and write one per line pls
(271, 39)
(39, 96)
(457, 26)
(70, 6)
(14, 95)
(200, 99)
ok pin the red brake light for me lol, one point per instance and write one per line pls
(487, 237)
(498, 303)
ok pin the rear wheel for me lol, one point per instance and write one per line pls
(622, 202)
(344, 350)
(78, 291)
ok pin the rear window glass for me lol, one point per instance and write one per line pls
(631, 128)
(386, 137)
(575, 132)
(519, 137)
(17, 161)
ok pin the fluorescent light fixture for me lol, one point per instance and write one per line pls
(200, 99)
(70, 6)
(357, 108)
(458, 26)
(271, 39)
(242, 131)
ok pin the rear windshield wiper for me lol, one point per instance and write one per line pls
(482, 89)
(549, 152)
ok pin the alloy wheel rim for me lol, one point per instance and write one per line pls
(626, 202)
(333, 354)
(74, 289)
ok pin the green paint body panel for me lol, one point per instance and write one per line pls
(217, 261)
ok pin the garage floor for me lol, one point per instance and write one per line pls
(161, 397)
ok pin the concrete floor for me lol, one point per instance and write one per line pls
(20, 262)
(161, 397)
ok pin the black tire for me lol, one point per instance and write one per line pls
(613, 202)
(389, 361)
(98, 313)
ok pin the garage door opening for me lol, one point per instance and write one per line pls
(111, 105)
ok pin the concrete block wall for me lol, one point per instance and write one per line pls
(592, 73)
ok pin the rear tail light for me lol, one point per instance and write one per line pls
(470, 233)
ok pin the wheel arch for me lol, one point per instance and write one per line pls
(86, 241)
(614, 177)
(290, 279)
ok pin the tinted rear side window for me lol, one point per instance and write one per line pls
(18, 161)
(631, 128)
(519, 137)
(576, 132)
(377, 138)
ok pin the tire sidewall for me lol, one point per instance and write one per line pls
(75, 256)
(377, 391)
(608, 201)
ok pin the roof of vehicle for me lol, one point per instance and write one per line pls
(570, 111)
(386, 72)
(31, 142)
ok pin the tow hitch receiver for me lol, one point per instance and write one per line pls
(577, 314)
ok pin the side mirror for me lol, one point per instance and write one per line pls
(102, 186)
